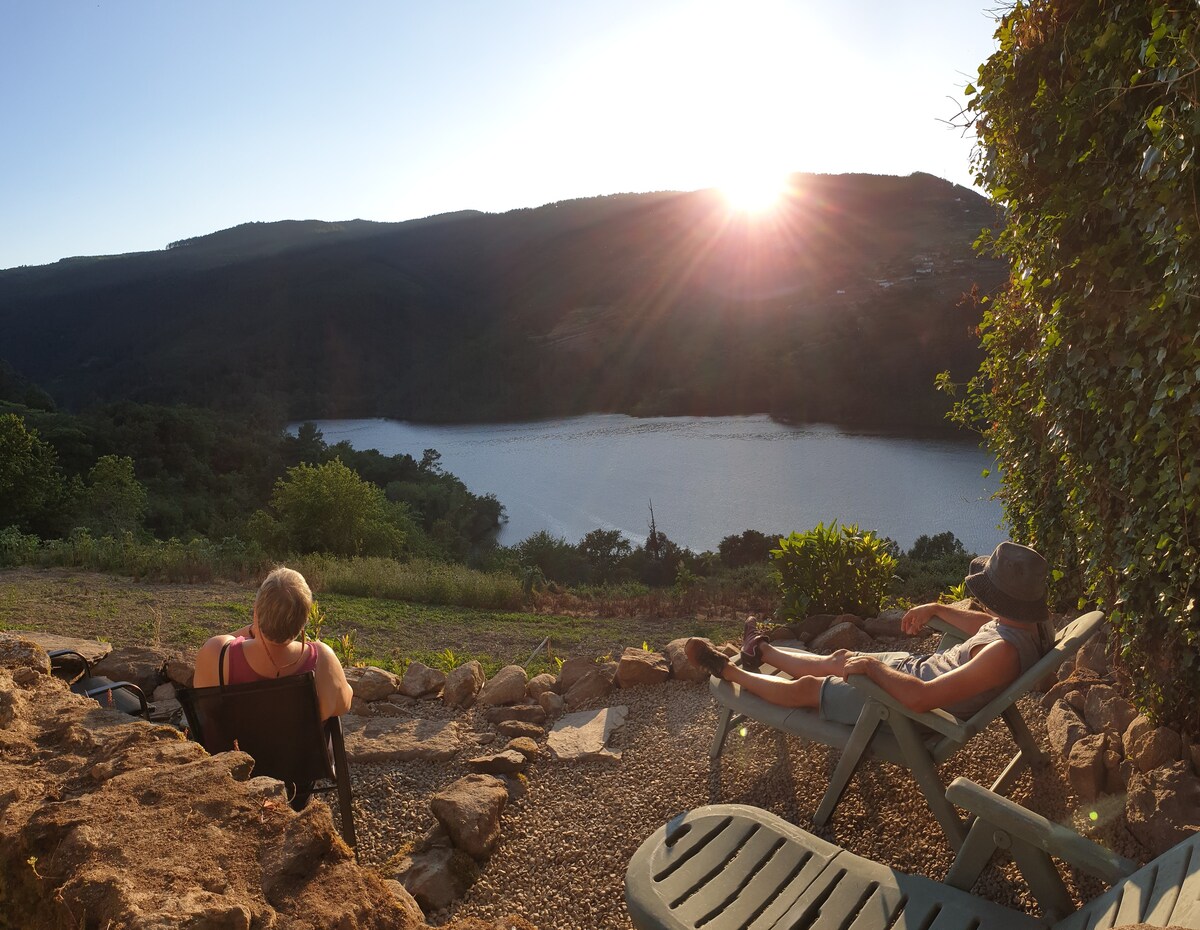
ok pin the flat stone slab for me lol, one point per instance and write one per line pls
(88, 648)
(584, 735)
(394, 739)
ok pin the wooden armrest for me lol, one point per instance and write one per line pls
(1037, 831)
(937, 720)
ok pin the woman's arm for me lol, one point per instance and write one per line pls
(969, 621)
(333, 691)
(207, 659)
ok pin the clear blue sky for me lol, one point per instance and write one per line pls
(132, 123)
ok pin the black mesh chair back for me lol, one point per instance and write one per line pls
(278, 723)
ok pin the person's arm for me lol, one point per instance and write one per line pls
(206, 661)
(969, 621)
(995, 665)
(333, 691)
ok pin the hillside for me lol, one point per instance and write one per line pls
(842, 308)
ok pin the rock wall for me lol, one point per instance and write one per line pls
(109, 822)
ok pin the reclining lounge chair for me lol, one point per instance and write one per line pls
(888, 730)
(731, 866)
(74, 668)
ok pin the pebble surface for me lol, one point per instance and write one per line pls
(565, 844)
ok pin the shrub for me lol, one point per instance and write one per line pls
(832, 570)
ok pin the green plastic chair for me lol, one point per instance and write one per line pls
(888, 730)
(733, 867)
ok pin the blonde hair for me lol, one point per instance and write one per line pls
(282, 605)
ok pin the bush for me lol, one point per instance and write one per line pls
(833, 571)
(419, 581)
(929, 569)
(1088, 118)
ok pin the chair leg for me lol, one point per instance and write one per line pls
(974, 855)
(852, 755)
(345, 799)
(724, 722)
(920, 763)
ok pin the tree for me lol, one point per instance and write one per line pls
(1088, 117)
(30, 484)
(329, 508)
(749, 548)
(604, 551)
(113, 500)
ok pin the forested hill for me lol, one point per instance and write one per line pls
(842, 306)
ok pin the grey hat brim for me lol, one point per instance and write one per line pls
(999, 603)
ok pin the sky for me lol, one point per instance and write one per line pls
(129, 124)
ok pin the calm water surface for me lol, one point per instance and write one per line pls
(708, 477)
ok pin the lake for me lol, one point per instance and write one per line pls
(708, 477)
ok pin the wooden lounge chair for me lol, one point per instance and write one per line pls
(731, 866)
(888, 730)
(278, 724)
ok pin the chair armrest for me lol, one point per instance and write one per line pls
(937, 720)
(951, 635)
(1037, 831)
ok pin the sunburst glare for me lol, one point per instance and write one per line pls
(754, 191)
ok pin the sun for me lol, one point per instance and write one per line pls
(754, 191)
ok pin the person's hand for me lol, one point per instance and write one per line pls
(917, 617)
(859, 664)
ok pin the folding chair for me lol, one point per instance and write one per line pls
(279, 725)
(73, 668)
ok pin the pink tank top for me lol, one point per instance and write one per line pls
(241, 673)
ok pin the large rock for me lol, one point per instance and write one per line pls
(1149, 747)
(398, 739)
(585, 735)
(213, 849)
(436, 875)
(463, 684)
(515, 728)
(641, 667)
(572, 670)
(90, 649)
(553, 704)
(595, 684)
(810, 628)
(1086, 766)
(469, 810)
(18, 651)
(1106, 711)
(370, 683)
(1064, 728)
(420, 680)
(505, 762)
(681, 668)
(842, 635)
(888, 624)
(539, 685)
(1163, 806)
(140, 665)
(507, 686)
(181, 668)
(1093, 655)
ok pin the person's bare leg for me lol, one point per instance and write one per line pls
(803, 691)
(799, 665)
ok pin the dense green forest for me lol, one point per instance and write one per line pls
(842, 307)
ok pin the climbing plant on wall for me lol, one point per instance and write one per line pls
(1088, 116)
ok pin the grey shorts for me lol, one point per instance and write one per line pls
(842, 702)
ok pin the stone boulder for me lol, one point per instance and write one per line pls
(370, 683)
(886, 624)
(19, 652)
(181, 668)
(1093, 655)
(842, 635)
(90, 649)
(434, 873)
(525, 746)
(140, 665)
(572, 670)
(553, 704)
(420, 680)
(515, 728)
(596, 684)
(1106, 711)
(1163, 806)
(463, 684)
(1065, 728)
(399, 739)
(640, 667)
(1086, 766)
(527, 713)
(1149, 747)
(469, 810)
(539, 685)
(810, 628)
(505, 762)
(681, 668)
(507, 686)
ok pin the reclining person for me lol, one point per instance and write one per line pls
(1005, 639)
(273, 645)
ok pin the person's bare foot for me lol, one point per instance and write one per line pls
(704, 654)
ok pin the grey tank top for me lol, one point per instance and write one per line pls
(1028, 643)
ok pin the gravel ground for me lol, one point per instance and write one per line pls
(564, 846)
